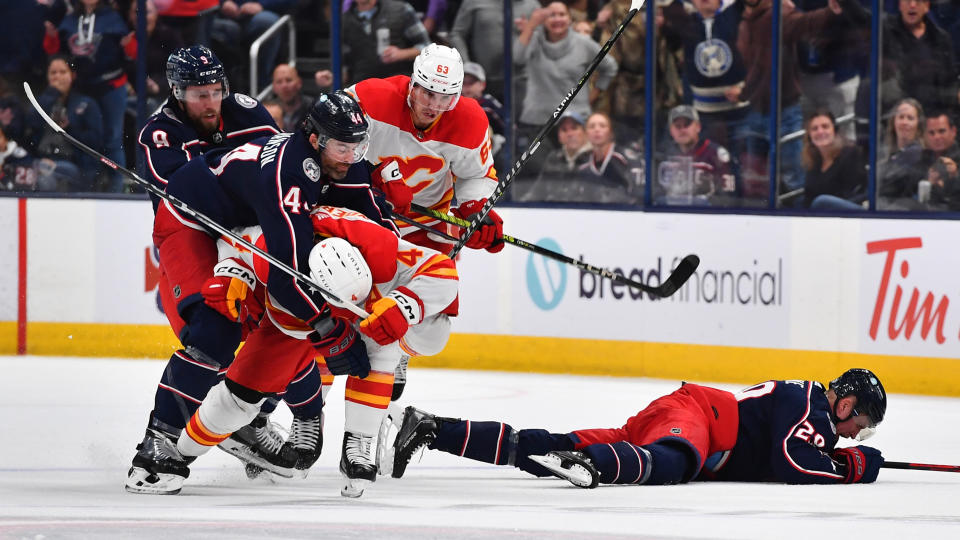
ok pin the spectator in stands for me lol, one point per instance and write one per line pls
(18, 171)
(99, 41)
(836, 173)
(273, 106)
(610, 175)
(902, 162)
(193, 18)
(287, 87)
(944, 187)
(477, 34)
(555, 59)
(432, 13)
(940, 160)
(80, 116)
(11, 112)
(474, 86)
(162, 39)
(625, 97)
(560, 173)
(754, 43)
(243, 21)
(21, 34)
(380, 39)
(713, 70)
(694, 170)
(917, 60)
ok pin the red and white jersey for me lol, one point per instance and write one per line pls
(454, 151)
(427, 276)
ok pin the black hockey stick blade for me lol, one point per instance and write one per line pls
(186, 209)
(680, 275)
(920, 466)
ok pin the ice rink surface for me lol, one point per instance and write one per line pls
(70, 426)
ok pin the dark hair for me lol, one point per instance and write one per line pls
(941, 112)
(67, 59)
(812, 158)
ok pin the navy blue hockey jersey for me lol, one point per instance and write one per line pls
(786, 434)
(275, 182)
(168, 140)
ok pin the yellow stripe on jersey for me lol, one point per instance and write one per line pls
(438, 266)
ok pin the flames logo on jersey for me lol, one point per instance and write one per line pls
(411, 166)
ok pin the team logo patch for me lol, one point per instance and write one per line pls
(675, 430)
(311, 169)
(245, 101)
(176, 291)
(713, 57)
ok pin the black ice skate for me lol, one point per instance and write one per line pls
(400, 378)
(158, 468)
(418, 429)
(356, 464)
(572, 466)
(306, 438)
(259, 446)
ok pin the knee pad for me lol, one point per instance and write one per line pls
(210, 333)
(220, 414)
(537, 442)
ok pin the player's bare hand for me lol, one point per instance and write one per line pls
(538, 16)
(323, 78)
(250, 9)
(230, 10)
(733, 93)
(950, 165)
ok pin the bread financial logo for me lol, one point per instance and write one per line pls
(546, 278)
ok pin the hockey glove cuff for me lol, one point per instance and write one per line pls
(860, 464)
(391, 316)
(388, 179)
(231, 284)
(489, 235)
(337, 342)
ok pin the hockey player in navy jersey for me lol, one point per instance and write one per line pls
(775, 431)
(272, 182)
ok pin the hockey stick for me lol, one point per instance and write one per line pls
(183, 207)
(502, 185)
(677, 278)
(920, 466)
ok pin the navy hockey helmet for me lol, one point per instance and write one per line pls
(871, 397)
(194, 66)
(337, 117)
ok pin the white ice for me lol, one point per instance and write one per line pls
(69, 427)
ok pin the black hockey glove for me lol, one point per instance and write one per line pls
(341, 348)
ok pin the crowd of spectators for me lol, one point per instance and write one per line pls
(711, 93)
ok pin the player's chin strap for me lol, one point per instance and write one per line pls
(477, 219)
(186, 209)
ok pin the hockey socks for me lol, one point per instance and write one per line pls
(188, 377)
(498, 443)
(653, 464)
(304, 393)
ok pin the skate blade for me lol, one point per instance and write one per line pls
(576, 474)
(139, 481)
(389, 428)
(243, 453)
(353, 487)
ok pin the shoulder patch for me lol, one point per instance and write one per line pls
(245, 100)
(311, 169)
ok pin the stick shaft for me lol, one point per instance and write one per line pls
(920, 466)
(185, 208)
(535, 143)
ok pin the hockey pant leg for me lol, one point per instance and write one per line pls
(657, 463)
(367, 399)
(304, 395)
(227, 408)
(499, 443)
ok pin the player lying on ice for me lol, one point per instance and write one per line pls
(780, 431)
(408, 290)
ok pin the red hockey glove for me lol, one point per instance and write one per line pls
(337, 342)
(227, 291)
(392, 316)
(489, 235)
(861, 464)
(388, 179)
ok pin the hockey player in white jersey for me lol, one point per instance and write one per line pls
(408, 290)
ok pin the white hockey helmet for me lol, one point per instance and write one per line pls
(438, 69)
(339, 267)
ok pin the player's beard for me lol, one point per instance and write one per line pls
(334, 169)
(208, 121)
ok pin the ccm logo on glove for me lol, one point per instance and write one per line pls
(225, 292)
(388, 179)
(391, 316)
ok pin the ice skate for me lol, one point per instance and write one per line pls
(356, 464)
(417, 429)
(260, 444)
(158, 467)
(306, 439)
(575, 467)
(400, 378)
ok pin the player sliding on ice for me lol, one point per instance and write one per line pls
(408, 290)
(781, 431)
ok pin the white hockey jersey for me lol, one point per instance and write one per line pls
(454, 151)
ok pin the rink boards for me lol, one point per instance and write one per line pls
(773, 297)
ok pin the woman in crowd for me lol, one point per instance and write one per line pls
(836, 175)
(78, 115)
(611, 174)
(558, 178)
(902, 165)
